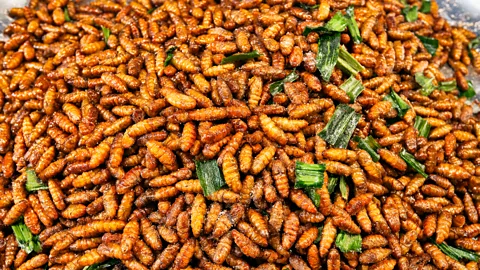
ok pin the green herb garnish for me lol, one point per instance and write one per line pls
(352, 25)
(240, 57)
(327, 55)
(412, 162)
(472, 45)
(103, 265)
(337, 24)
(340, 128)
(431, 44)
(277, 86)
(347, 242)
(353, 87)
(370, 145)
(397, 102)
(343, 188)
(66, 15)
(106, 33)
(169, 57)
(426, 6)
(151, 10)
(319, 236)
(209, 175)
(307, 7)
(347, 63)
(26, 240)
(447, 86)
(470, 91)
(313, 195)
(422, 126)
(457, 253)
(309, 175)
(332, 182)
(33, 183)
(426, 84)
(410, 13)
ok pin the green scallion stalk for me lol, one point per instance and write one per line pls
(332, 182)
(26, 240)
(313, 195)
(422, 126)
(370, 145)
(472, 45)
(353, 87)
(347, 242)
(470, 91)
(337, 24)
(340, 128)
(66, 15)
(447, 86)
(426, 6)
(309, 175)
(104, 265)
(431, 44)
(352, 25)
(412, 162)
(33, 183)
(457, 253)
(397, 102)
(327, 55)
(277, 87)
(343, 187)
(410, 13)
(425, 82)
(319, 236)
(347, 63)
(106, 34)
(169, 57)
(210, 177)
(307, 7)
(240, 57)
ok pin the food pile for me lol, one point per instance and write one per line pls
(285, 134)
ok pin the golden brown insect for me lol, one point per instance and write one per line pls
(443, 226)
(246, 246)
(329, 233)
(150, 234)
(231, 172)
(302, 201)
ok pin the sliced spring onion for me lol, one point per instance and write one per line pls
(151, 10)
(370, 145)
(447, 86)
(412, 162)
(353, 87)
(104, 265)
(240, 57)
(422, 126)
(320, 229)
(106, 33)
(470, 91)
(169, 57)
(397, 102)
(472, 45)
(309, 175)
(352, 25)
(26, 240)
(426, 6)
(410, 13)
(307, 7)
(337, 24)
(347, 242)
(340, 128)
(431, 44)
(327, 55)
(426, 84)
(347, 63)
(33, 183)
(66, 15)
(343, 187)
(209, 175)
(332, 182)
(313, 195)
(277, 86)
(457, 253)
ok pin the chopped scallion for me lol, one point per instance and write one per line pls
(240, 57)
(347, 63)
(412, 162)
(410, 13)
(343, 187)
(319, 236)
(33, 183)
(209, 175)
(26, 240)
(313, 195)
(426, 83)
(397, 102)
(353, 87)
(332, 182)
(169, 57)
(370, 145)
(470, 91)
(337, 24)
(426, 6)
(66, 15)
(106, 34)
(309, 175)
(431, 44)
(457, 253)
(447, 86)
(340, 128)
(472, 45)
(327, 55)
(347, 242)
(307, 7)
(422, 126)
(352, 25)
(277, 86)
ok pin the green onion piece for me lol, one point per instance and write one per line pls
(410, 13)
(66, 15)
(277, 86)
(472, 45)
(319, 236)
(457, 253)
(313, 195)
(104, 265)
(352, 25)
(347, 63)
(447, 86)
(426, 84)
(431, 44)
(209, 175)
(422, 126)
(26, 240)
(327, 55)
(340, 128)
(337, 24)
(347, 242)
(412, 162)
(151, 10)
(426, 6)
(240, 57)
(398, 103)
(106, 33)
(370, 145)
(470, 91)
(353, 87)
(307, 7)
(169, 57)
(332, 182)
(33, 183)
(309, 175)
(343, 187)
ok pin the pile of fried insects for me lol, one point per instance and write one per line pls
(194, 134)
